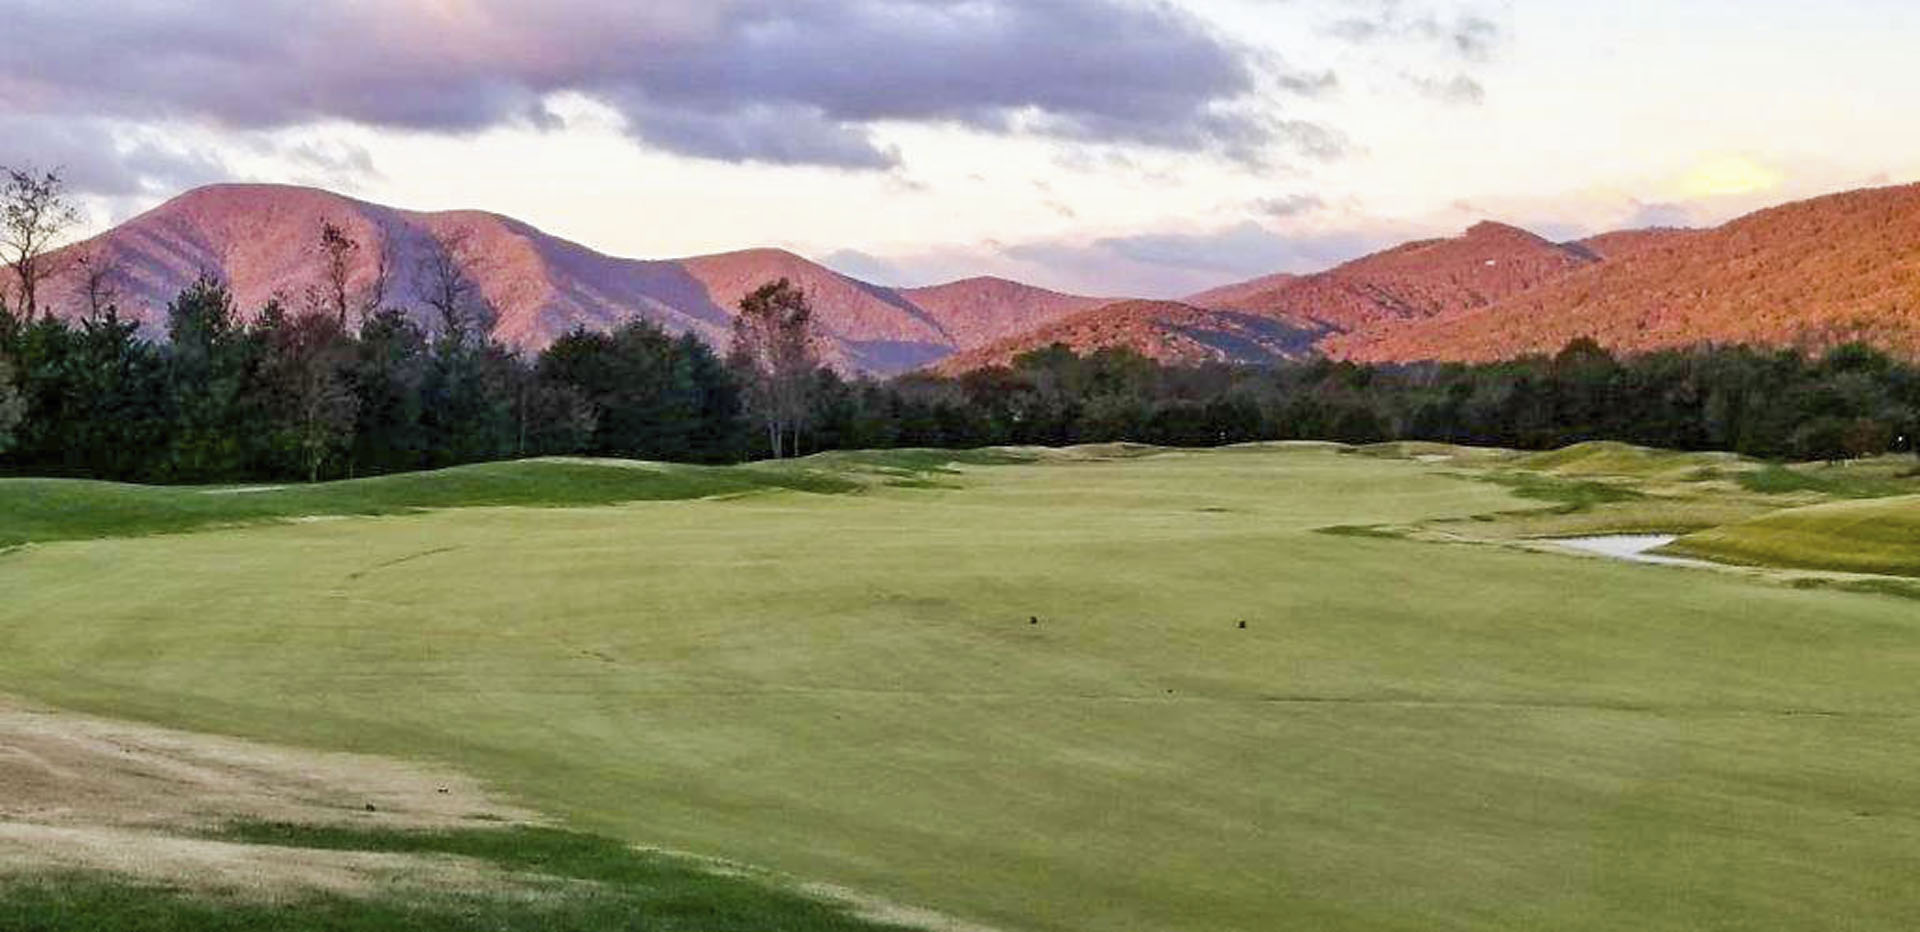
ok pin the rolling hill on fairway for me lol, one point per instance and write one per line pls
(1879, 535)
(846, 688)
(262, 239)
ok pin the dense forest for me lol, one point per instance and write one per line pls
(228, 396)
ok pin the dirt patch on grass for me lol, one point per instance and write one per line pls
(81, 793)
(252, 872)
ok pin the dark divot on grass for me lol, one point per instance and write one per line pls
(1371, 531)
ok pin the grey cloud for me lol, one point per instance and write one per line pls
(778, 135)
(1246, 248)
(1292, 205)
(781, 81)
(1661, 215)
(1458, 89)
(324, 164)
(1469, 35)
(1304, 83)
(864, 266)
(1175, 264)
(1475, 37)
(96, 159)
(1313, 139)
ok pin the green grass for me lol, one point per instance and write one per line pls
(1872, 536)
(41, 510)
(1609, 458)
(1565, 495)
(1872, 480)
(623, 889)
(846, 688)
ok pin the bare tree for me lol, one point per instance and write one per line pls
(462, 310)
(776, 353)
(334, 294)
(373, 298)
(100, 276)
(34, 214)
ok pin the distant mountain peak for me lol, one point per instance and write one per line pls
(1494, 229)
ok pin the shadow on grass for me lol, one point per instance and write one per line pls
(583, 882)
(1567, 495)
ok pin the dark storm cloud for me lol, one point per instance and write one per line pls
(777, 81)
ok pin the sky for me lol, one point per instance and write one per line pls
(1113, 147)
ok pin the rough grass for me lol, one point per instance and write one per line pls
(1869, 479)
(1649, 515)
(564, 882)
(1609, 458)
(847, 688)
(1566, 495)
(1870, 536)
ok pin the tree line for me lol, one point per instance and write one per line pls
(294, 395)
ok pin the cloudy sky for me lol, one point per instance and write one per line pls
(1107, 146)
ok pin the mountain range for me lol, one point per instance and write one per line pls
(263, 241)
(1811, 273)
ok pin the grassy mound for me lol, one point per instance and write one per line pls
(67, 509)
(1872, 536)
(1608, 458)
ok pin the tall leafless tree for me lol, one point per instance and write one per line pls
(100, 276)
(373, 298)
(462, 311)
(334, 294)
(34, 215)
(776, 353)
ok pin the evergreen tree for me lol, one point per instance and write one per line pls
(211, 367)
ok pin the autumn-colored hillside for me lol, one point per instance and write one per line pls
(1808, 274)
(1286, 316)
(1430, 278)
(263, 241)
(1235, 297)
(1167, 331)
